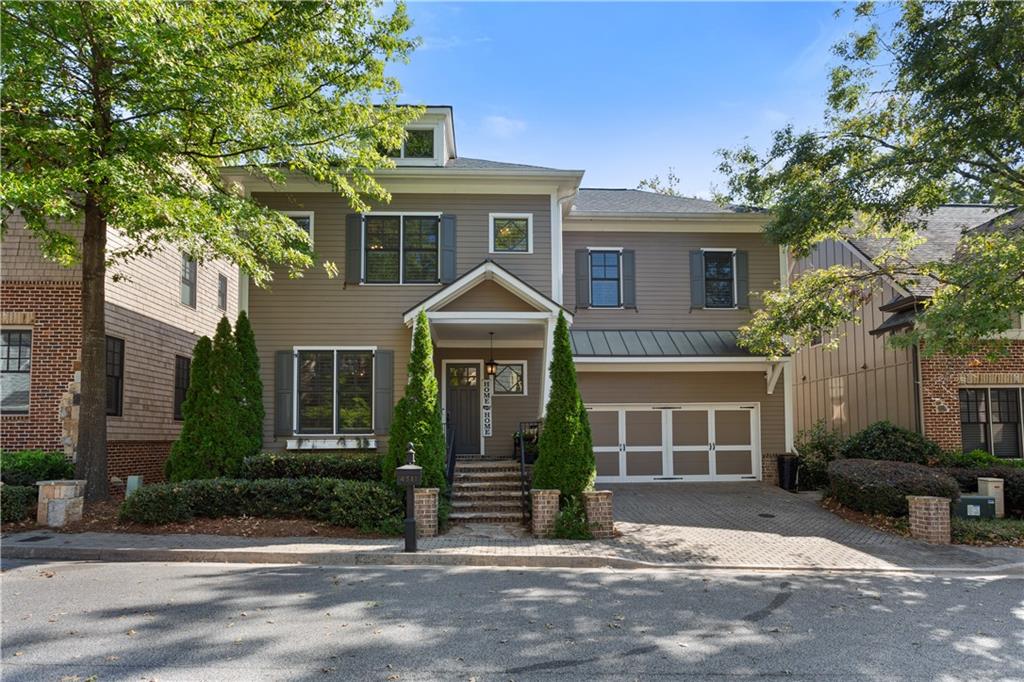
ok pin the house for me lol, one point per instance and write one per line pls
(960, 403)
(655, 288)
(156, 309)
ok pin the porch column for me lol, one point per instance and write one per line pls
(549, 344)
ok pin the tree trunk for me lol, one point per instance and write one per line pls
(91, 463)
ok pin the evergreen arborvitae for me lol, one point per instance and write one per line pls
(565, 456)
(251, 416)
(417, 416)
(228, 444)
(188, 458)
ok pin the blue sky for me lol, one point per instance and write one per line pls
(621, 90)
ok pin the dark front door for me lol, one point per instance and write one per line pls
(462, 401)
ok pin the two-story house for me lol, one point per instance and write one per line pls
(653, 286)
(960, 403)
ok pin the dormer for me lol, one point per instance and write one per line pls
(429, 141)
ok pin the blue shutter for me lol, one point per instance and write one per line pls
(284, 384)
(628, 278)
(742, 280)
(582, 279)
(384, 393)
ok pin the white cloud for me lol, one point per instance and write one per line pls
(502, 126)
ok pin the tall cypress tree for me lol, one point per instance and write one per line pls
(565, 453)
(251, 415)
(228, 443)
(417, 417)
(188, 458)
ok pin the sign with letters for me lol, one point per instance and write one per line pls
(487, 416)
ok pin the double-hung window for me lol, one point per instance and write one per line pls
(222, 292)
(334, 391)
(304, 219)
(15, 370)
(719, 278)
(189, 277)
(401, 249)
(991, 420)
(115, 376)
(182, 377)
(605, 279)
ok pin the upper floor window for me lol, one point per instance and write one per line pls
(334, 391)
(115, 376)
(304, 219)
(605, 279)
(511, 233)
(719, 279)
(15, 370)
(182, 377)
(401, 249)
(418, 144)
(222, 292)
(189, 279)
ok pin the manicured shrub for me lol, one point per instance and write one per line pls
(976, 459)
(26, 467)
(363, 466)
(565, 454)
(1013, 483)
(366, 505)
(191, 455)
(17, 502)
(881, 487)
(817, 447)
(417, 416)
(988, 531)
(571, 522)
(886, 441)
(251, 385)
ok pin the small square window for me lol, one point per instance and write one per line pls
(511, 233)
(510, 379)
(419, 144)
(304, 219)
(222, 292)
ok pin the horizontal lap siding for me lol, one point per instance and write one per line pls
(663, 279)
(692, 387)
(317, 310)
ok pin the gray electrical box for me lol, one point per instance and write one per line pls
(975, 507)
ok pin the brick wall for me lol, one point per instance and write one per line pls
(53, 311)
(942, 377)
(137, 457)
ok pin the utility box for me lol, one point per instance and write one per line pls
(993, 487)
(975, 507)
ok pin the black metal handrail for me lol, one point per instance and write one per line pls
(449, 449)
(531, 431)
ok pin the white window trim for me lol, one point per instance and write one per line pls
(195, 284)
(529, 232)
(499, 363)
(334, 373)
(303, 214)
(31, 329)
(590, 274)
(735, 286)
(401, 247)
(433, 160)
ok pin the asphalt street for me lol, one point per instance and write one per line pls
(142, 621)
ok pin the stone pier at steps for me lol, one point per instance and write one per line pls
(487, 491)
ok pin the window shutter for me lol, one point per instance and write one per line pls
(742, 280)
(628, 278)
(582, 279)
(696, 279)
(353, 248)
(284, 383)
(384, 394)
(449, 267)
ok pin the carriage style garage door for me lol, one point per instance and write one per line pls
(705, 442)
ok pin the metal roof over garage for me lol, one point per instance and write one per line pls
(645, 343)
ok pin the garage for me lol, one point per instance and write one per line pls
(685, 442)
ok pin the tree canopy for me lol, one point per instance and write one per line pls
(923, 110)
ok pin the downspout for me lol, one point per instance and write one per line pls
(918, 400)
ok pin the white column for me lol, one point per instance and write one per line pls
(549, 344)
(787, 396)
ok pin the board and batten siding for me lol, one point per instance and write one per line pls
(315, 310)
(663, 279)
(864, 379)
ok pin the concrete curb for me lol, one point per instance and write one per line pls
(446, 559)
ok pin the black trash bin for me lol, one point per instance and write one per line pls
(787, 472)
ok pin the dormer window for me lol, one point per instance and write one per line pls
(419, 144)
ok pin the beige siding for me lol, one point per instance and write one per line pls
(663, 279)
(692, 387)
(316, 310)
(864, 379)
(489, 297)
(22, 261)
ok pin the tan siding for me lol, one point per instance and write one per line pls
(663, 279)
(864, 379)
(316, 310)
(488, 296)
(692, 387)
(22, 261)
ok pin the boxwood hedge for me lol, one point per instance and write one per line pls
(26, 467)
(366, 505)
(881, 487)
(886, 441)
(364, 466)
(17, 502)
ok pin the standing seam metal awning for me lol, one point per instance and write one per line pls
(642, 343)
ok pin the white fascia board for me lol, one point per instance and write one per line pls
(725, 223)
(612, 366)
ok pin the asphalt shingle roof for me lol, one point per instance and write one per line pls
(484, 164)
(628, 201)
(653, 343)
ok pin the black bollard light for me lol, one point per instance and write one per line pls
(410, 476)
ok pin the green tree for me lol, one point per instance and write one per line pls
(227, 442)
(251, 417)
(188, 458)
(565, 453)
(417, 417)
(668, 186)
(921, 111)
(124, 113)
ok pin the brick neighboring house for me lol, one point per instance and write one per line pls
(155, 311)
(960, 403)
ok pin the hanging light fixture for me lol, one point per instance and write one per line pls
(491, 367)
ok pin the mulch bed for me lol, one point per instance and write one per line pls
(101, 517)
(887, 524)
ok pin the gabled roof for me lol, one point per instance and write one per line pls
(484, 164)
(644, 343)
(596, 201)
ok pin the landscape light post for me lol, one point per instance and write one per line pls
(410, 476)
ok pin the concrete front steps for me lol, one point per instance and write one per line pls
(486, 491)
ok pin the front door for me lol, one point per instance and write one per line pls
(462, 402)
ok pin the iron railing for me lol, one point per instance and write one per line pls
(526, 450)
(449, 452)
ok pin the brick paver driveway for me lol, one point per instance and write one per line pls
(753, 524)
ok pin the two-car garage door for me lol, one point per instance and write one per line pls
(705, 442)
